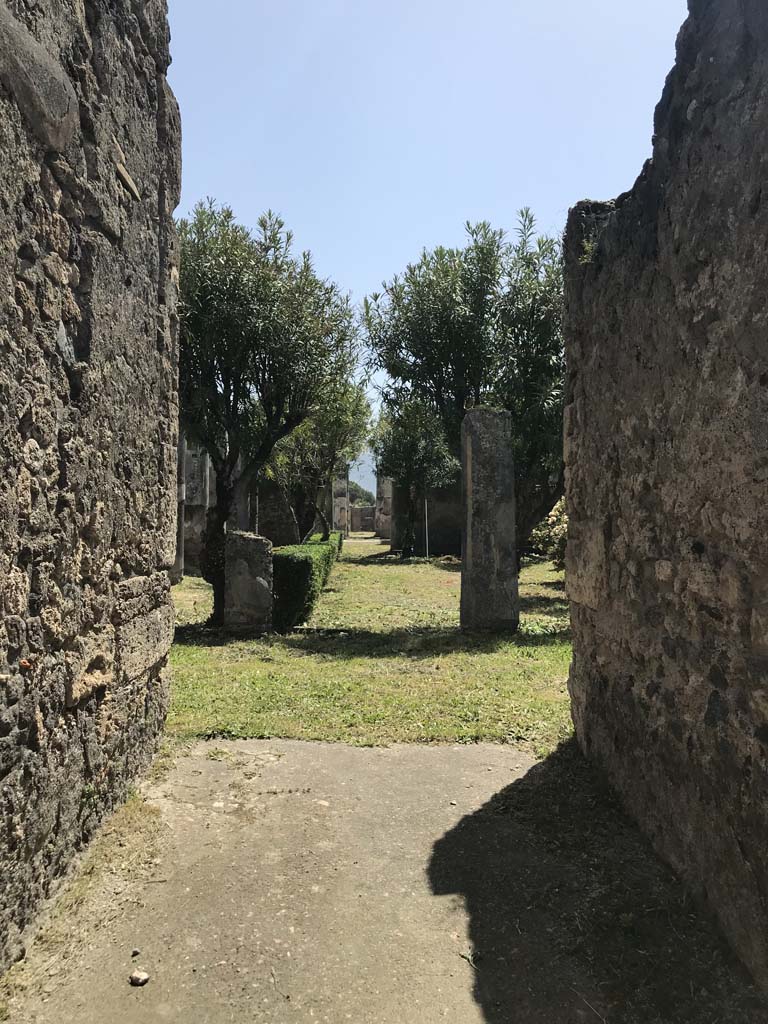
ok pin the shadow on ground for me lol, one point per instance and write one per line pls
(572, 917)
(360, 643)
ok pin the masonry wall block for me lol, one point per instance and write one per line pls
(667, 473)
(89, 177)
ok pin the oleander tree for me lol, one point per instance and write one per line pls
(482, 325)
(304, 464)
(409, 445)
(263, 340)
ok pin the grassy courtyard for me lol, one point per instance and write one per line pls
(382, 661)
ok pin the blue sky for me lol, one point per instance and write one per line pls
(376, 129)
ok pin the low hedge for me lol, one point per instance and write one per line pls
(335, 536)
(300, 572)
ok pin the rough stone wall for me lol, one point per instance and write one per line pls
(275, 520)
(362, 518)
(667, 473)
(89, 175)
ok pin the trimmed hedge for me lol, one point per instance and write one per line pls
(334, 536)
(300, 572)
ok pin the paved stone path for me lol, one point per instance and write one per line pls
(276, 881)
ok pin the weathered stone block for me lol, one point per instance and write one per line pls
(489, 587)
(383, 523)
(666, 442)
(248, 594)
(89, 177)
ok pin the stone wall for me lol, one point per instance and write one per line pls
(667, 473)
(362, 518)
(445, 511)
(274, 519)
(89, 176)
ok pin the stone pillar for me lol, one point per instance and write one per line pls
(177, 573)
(489, 592)
(248, 594)
(198, 495)
(383, 526)
(341, 504)
(667, 474)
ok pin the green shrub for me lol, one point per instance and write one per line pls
(335, 536)
(551, 535)
(300, 573)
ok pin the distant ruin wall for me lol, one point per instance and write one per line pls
(667, 467)
(89, 176)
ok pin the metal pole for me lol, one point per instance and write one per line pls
(426, 523)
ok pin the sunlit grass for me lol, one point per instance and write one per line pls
(383, 661)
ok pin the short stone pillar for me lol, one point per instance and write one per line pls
(489, 590)
(248, 573)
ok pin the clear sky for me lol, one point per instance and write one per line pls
(376, 129)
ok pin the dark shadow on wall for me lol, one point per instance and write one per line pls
(572, 918)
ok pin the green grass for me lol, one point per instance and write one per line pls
(382, 662)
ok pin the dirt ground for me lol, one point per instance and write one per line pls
(280, 881)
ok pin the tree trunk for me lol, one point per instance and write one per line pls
(212, 557)
(326, 525)
(409, 538)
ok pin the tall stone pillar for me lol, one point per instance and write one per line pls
(489, 590)
(199, 496)
(341, 504)
(177, 572)
(383, 524)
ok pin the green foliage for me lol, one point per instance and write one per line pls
(482, 325)
(263, 341)
(263, 337)
(300, 573)
(550, 537)
(303, 464)
(409, 445)
(358, 495)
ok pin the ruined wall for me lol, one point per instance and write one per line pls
(446, 512)
(362, 518)
(89, 175)
(667, 466)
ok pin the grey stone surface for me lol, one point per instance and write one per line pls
(667, 474)
(177, 572)
(362, 518)
(341, 519)
(489, 587)
(199, 495)
(383, 522)
(89, 176)
(248, 594)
